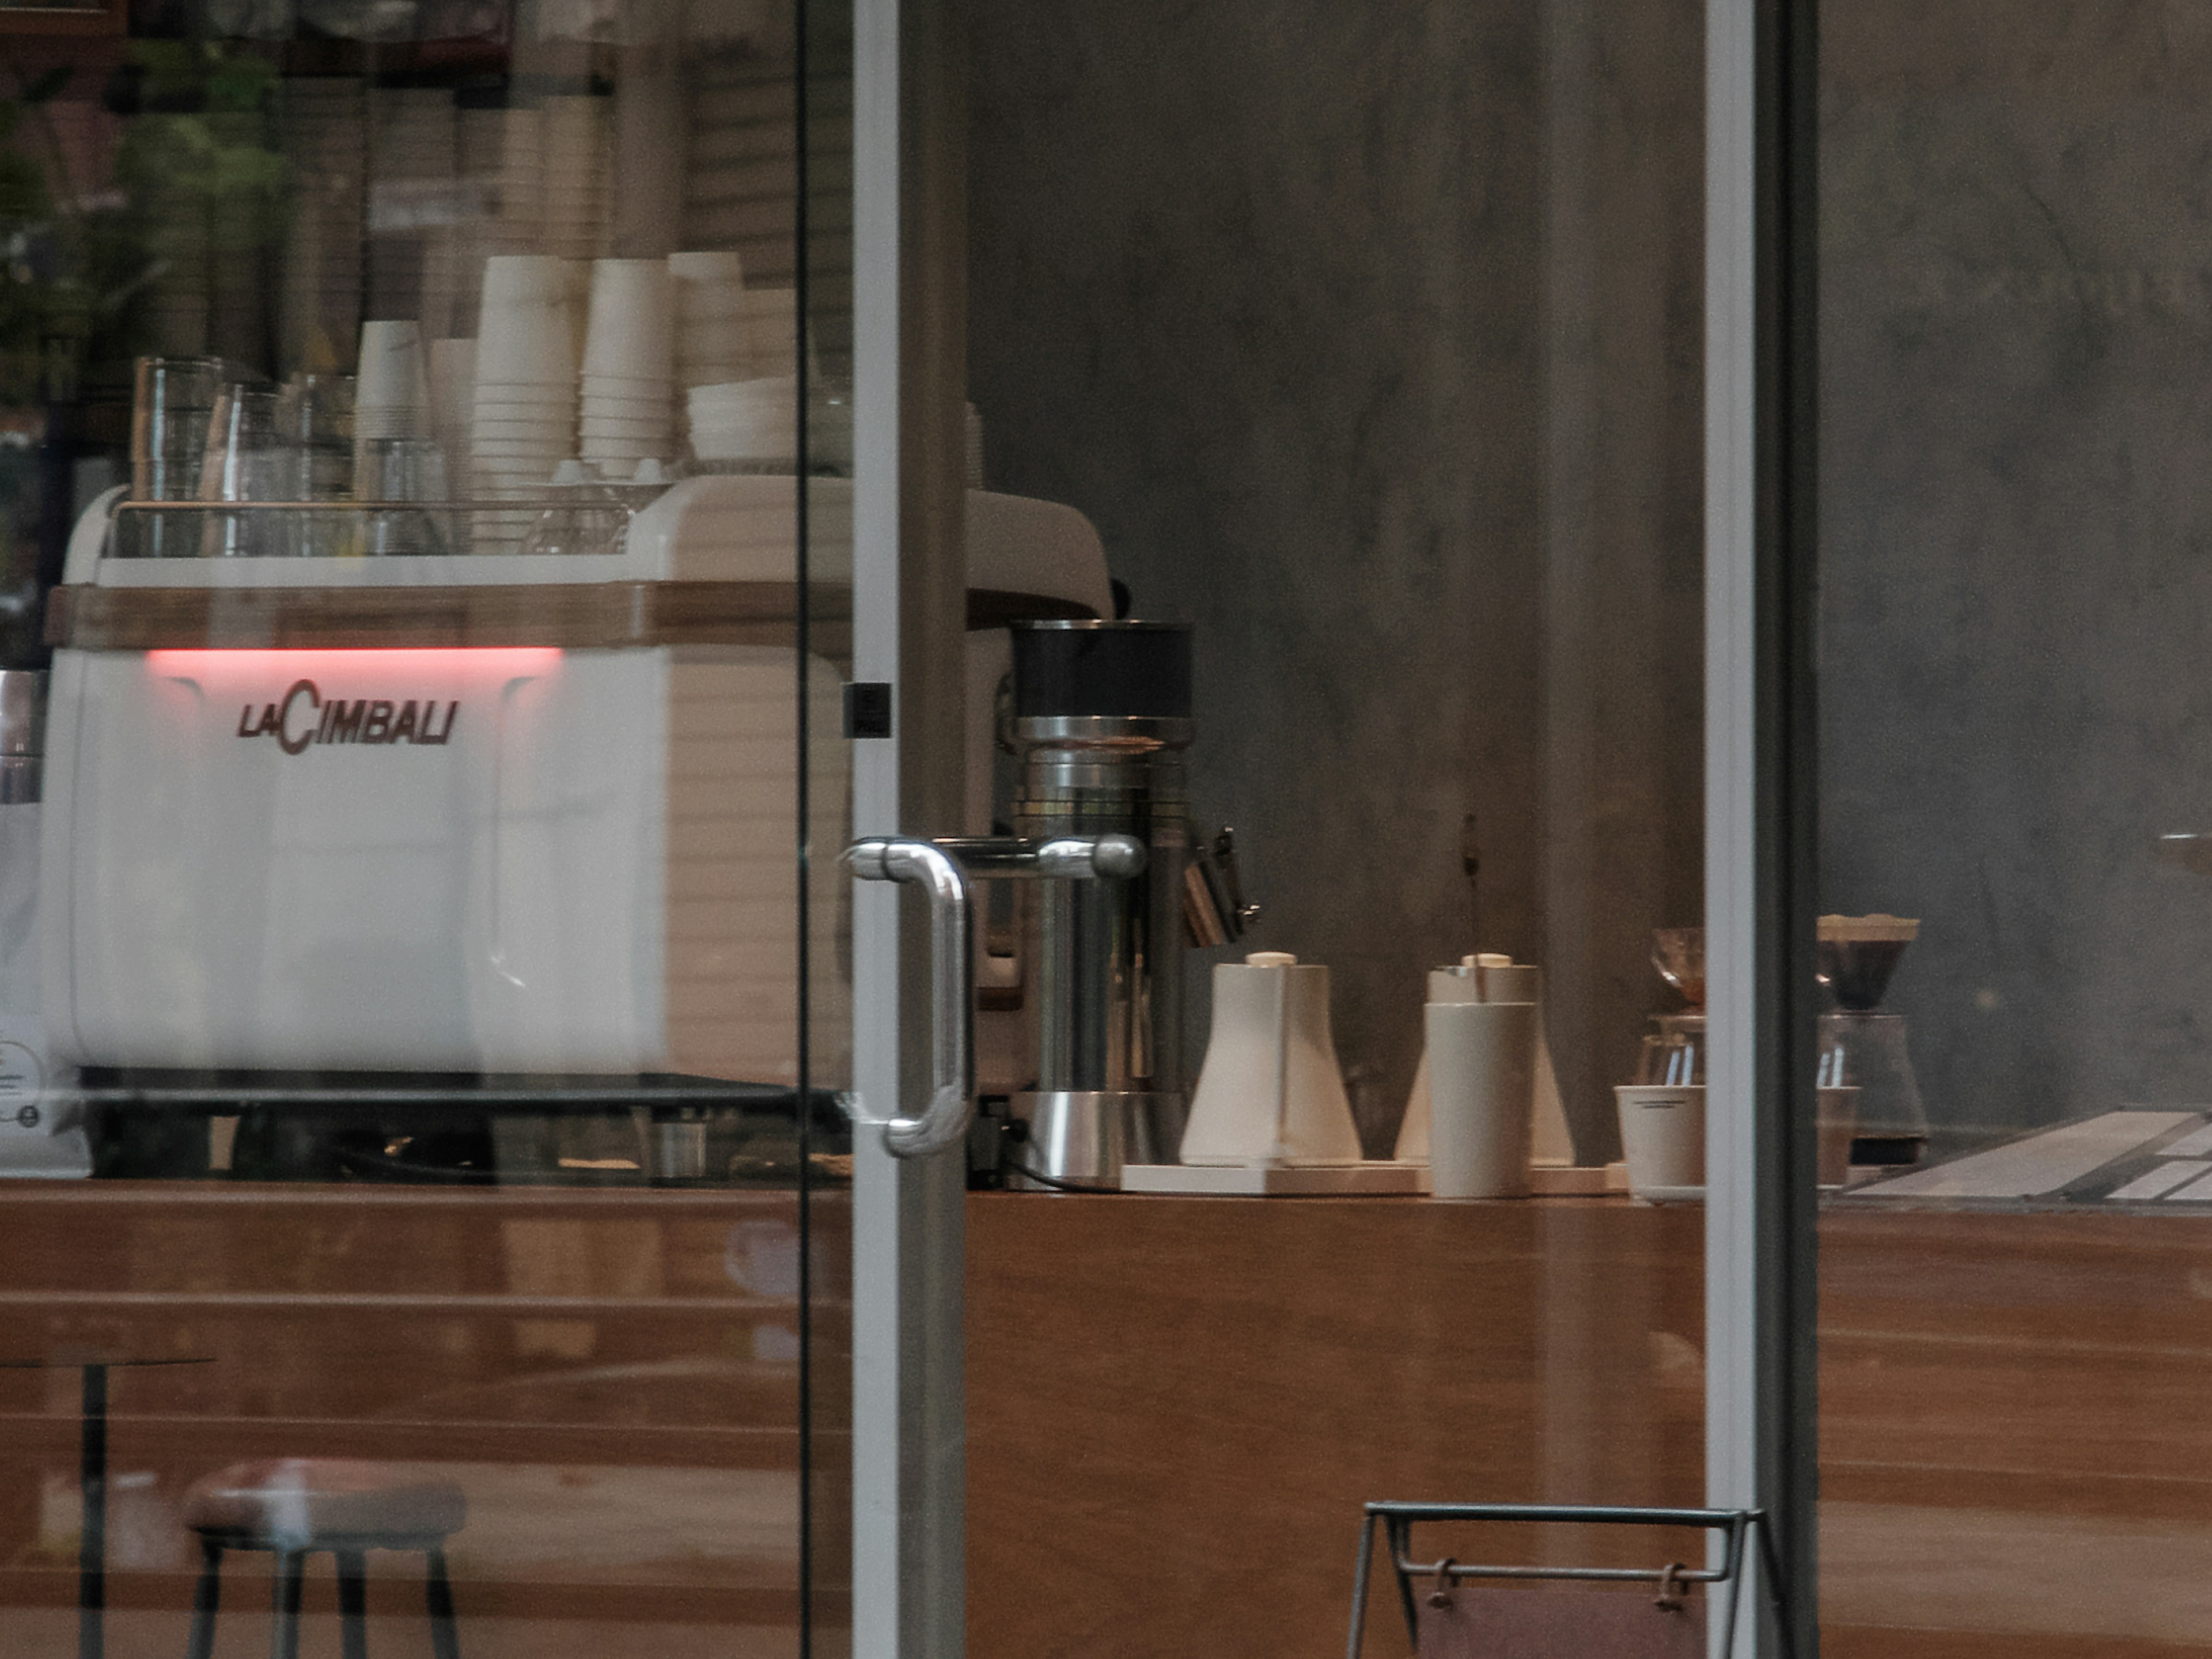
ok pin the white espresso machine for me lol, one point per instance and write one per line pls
(522, 814)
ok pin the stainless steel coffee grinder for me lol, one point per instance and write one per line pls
(1101, 713)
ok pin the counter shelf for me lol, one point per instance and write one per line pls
(441, 1130)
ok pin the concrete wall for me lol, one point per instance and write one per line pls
(2017, 596)
(1368, 335)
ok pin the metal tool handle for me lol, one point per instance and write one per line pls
(941, 868)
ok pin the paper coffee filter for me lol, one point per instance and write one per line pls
(1856, 930)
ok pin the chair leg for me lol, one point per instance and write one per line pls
(284, 1597)
(439, 1593)
(352, 1603)
(207, 1596)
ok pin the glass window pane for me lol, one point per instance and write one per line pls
(425, 966)
(1366, 340)
(2013, 347)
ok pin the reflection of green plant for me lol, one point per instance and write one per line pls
(28, 221)
(197, 169)
(195, 177)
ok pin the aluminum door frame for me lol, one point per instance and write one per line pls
(909, 602)
(1761, 1286)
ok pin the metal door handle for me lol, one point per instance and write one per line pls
(943, 1121)
(941, 871)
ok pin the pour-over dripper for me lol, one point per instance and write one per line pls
(1862, 1047)
(1678, 954)
(1857, 954)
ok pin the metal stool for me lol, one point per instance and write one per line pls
(294, 1506)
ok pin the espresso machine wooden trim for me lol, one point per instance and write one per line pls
(597, 615)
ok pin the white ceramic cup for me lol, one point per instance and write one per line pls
(1482, 1078)
(1662, 1137)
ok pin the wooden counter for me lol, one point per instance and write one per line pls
(1177, 1406)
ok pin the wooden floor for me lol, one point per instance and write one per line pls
(1177, 1408)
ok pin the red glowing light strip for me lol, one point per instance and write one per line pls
(505, 662)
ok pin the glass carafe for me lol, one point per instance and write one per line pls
(1865, 1049)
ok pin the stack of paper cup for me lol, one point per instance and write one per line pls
(392, 397)
(710, 319)
(578, 182)
(523, 420)
(752, 423)
(627, 345)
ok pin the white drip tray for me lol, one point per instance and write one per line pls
(1376, 1177)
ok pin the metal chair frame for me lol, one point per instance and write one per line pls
(286, 1583)
(1737, 1526)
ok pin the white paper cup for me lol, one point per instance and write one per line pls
(1662, 1137)
(626, 408)
(494, 404)
(497, 458)
(630, 330)
(1482, 1079)
(707, 268)
(526, 343)
(524, 278)
(391, 385)
(517, 460)
(494, 439)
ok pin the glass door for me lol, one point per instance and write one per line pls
(425, 509)
(1325, 518)
(2013, 808)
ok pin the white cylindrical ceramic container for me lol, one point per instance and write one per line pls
(1482, 1074)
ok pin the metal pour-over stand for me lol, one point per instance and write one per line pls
(1448, 1621)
